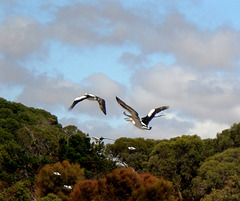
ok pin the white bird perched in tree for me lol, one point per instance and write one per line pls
(132, 148)
(57, 173)
(67, 186)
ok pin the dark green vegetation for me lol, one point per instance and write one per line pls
(33, 145)
(32, 138)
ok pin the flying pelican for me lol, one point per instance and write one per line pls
(100, 138)
(91, 97)
(134, 118)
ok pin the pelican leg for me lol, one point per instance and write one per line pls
(128, 118)
(127, 115)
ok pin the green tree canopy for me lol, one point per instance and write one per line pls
(137, 158)
(216, 171)
(230, 192)
(28, 139)
(178, 160)
(229, 138)
(18, 191)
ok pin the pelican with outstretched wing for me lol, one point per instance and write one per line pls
(141, 123)
(90, 97)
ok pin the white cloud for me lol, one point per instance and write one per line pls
(208, 128)
(188, 92)
(13, 73)
(102, 84)
(204, 102)
(21, 36)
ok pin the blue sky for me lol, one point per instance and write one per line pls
(184, 54)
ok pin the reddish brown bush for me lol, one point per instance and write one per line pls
(48, 182)
(123, 185)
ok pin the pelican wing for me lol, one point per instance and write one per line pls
(77, 100)
(152, 114)
(102, 105)
(103, 138)
(157, 110)
(128, 108)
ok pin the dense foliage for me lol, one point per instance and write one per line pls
(230, 192)
(32, 138)
(54, 178)
(181, 160)
(216, 171)
(123, 184)
(40, 159)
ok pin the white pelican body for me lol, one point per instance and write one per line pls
(134, 118)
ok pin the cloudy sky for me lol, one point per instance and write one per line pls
(149, 53)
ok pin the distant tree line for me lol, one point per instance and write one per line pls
(30, 140)
(197, 167)
(40, 159)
